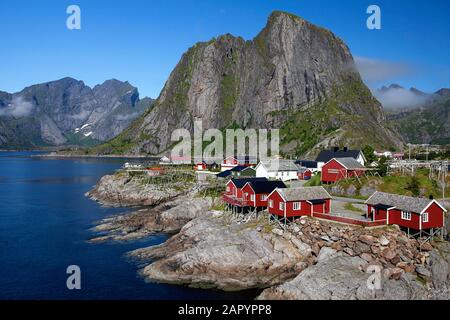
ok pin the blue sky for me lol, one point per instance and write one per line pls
(142, 41)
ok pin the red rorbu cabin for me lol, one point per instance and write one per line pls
(232, 162)
(229, 163)
(304, 174)
(202, 166)
(419, 214)
(256, 193)
(338, 169)
(233, 195)
(297, 202)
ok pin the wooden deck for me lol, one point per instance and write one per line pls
(350, 220)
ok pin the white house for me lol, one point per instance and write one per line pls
(386, 154)
(284, 170)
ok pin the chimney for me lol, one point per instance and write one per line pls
(345, 149)
(336, 149)
(431, 197)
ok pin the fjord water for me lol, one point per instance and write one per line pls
(44, 227)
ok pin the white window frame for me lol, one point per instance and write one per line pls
(270, 203)
(333, 171)
(281, 206)
(406, 215)
(264, 197)
(297, 206)
(426, 217)
(252, 197)
(228, 189)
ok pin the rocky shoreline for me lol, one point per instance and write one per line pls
(311, 260)
(121, 190)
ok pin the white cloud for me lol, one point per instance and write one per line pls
(373, 70)
(18, 108)
(399, 98)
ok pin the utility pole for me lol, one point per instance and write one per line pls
(444, 173)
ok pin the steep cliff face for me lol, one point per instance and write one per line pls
(293, 75)
(67, 112)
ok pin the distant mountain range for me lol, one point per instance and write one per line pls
(293, 75)
(67, 112)
(421, 118)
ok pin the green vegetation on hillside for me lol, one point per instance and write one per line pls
(310, 125)
(428, 125)
(418, 185)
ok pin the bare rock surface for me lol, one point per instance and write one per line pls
(341, 278)
(310, 260)
(120, 190)
(169, 217)
(406, 268)
(212, 252)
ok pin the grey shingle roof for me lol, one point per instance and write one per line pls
(350, 163)
(280, 165)
(404, 203)
(304, 193)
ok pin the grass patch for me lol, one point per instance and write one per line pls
(349, 206)
(315, 181)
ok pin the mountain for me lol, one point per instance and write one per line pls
(67, 112)
(293, 75)
(427, 124)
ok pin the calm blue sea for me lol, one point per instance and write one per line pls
(44, 227)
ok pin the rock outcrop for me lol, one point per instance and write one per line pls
(168, 218)
(311, 260)
(211, 252)
(121, 190)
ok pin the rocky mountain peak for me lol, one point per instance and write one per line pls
(291, 71)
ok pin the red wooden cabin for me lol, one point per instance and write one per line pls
(234, 161)
(304, 174)
(256, 193)
(342, 168)
(297, 202)
(411, 213)
(233, 195)
(229, 163)
(201, 166)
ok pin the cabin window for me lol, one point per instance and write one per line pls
(297, 206)
(281, 206)
(425, 217)
(270, 203)
(228, 189)
(252, 197)
(333, 171)
(406, 215)
(264, 197)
